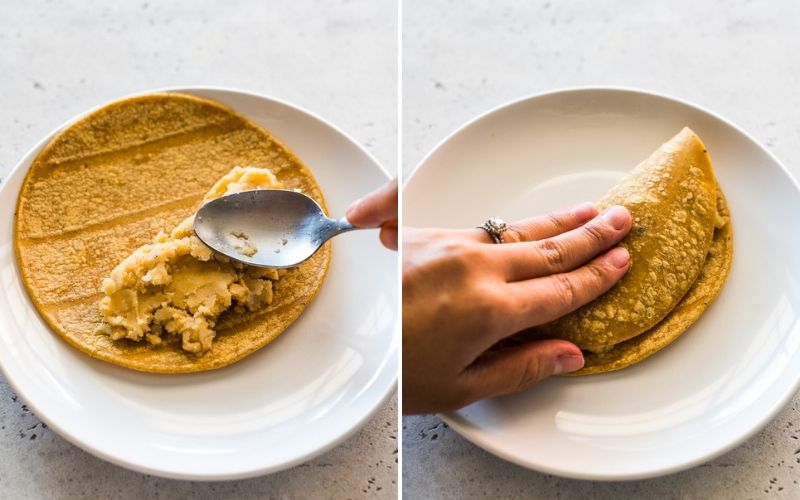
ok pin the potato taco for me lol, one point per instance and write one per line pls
(681, 248)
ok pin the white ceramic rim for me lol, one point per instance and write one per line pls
(324, 447)
(453, 420)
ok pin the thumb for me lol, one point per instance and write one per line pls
(517, 368)
(376, 208)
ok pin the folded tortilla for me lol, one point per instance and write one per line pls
(681, 248)
(109, 183)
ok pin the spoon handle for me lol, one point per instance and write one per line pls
(341, 225)
(332, 227)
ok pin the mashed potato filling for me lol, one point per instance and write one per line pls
(179, 286)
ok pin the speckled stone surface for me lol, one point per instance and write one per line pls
(58, 59)
(461, 59)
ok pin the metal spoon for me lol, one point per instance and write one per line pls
(266, 227)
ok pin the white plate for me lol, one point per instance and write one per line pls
(716, 385)
(292, 400)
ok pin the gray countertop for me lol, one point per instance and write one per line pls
(738, 59)
(58, 59)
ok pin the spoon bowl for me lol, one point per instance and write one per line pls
(266, 227)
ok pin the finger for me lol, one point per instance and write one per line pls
(568, 250)
(544, 226)
(375, 208)
(389, 235)
(540, 300)
(518, 368)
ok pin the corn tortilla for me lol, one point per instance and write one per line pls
(109, 183)
(708, 285)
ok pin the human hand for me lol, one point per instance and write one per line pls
(378, 208)
(462, 294)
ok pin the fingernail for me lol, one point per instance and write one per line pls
(353, 207)
(618, 257)
(568, 363)
(584, 211)
(617, 216)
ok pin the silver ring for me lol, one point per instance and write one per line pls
(495, 226)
